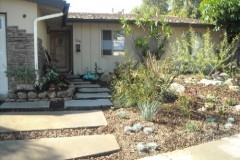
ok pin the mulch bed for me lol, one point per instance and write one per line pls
(169, 127)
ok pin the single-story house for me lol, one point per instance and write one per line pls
(75, 41)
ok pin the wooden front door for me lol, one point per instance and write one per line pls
(60, 50)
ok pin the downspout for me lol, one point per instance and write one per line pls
(35, 31)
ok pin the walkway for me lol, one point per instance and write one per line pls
(88, 96)
(223, 149)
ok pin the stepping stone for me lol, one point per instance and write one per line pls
(87, 86)
(25, 105)
(82, 104)
(29, 121)
(92, 95)
(73, 76)
(93, 90)
(58, 148)
(79, 83)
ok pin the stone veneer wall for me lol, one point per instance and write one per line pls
(20, 50)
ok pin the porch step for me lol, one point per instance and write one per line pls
(92, 95)
(93, 90)
(87, 86)
(40, 105)
(80, 83)
(58, 148)
(75, 80)
(88, 104)
(30, 121)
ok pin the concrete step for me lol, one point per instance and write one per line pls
(29, 121)
(58, 148)
(80, 83)
(75, 80)
(92, 95)
(93, 90)
(39, 105)
(88, 104)
(87, 86)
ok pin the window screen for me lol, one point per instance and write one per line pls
(107, 43)
(1, 23)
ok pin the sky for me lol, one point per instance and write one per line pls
(103, 6)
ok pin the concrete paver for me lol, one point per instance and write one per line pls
(88, 103)
(93, 90)
(223, 149)
(28, 121)
(87, 86)
(92, 95)
(25, 105)
(58, 148)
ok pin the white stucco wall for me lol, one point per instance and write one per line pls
(89, 36)
(15, 10)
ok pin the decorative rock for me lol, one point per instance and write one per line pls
(70, 92)
(234, 88)
(141, 147)
(67, 99)
(42, 95)
(62, 94)
(22, 95)
(225, 75)
(177, 88)
(230, 82)
(209, 106)
(52, 95)
(32, 95)
(202, 109)
(210, 82)
(230, 120)
(11, 95)
(151, 146)
(106, 77)
(228, 126)
(137, 127)
(128, 129)
(148, 130)
(237, 108)
(122, 115)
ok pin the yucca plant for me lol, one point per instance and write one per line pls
(148, 109)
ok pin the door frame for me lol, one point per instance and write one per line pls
(4, 95)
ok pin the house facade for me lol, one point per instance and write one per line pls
(76, 42)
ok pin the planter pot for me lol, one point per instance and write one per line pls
(25, 87)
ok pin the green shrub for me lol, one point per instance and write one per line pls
(22, 74)
(184, 104)
(231, 102)
(192, 57)
(192, 126)
(148, 109)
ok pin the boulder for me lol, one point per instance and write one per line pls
(62, 94)
(52, 95)
(177, 88)
(42, 95)
(12, 95)
(32, 95)
(210, 82)
(105, 77)
(22, 95)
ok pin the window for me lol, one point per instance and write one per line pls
(113, 42)
(1, 23)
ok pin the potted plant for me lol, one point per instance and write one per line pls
(24, 76)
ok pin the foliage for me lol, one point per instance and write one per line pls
(184, 104)
(22, 74)
(223, 13)
(193, 55)
(192, 126)
(185, 8)
(156, 30)
(148, 109)
(52, 80)
(231, 102)
(138, 83)
(97, 68)
(156, 6)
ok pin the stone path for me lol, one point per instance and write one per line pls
(93, 95)
(26, 105)
(223, 149)
(29, 121)
(89, 96)
(58, 148)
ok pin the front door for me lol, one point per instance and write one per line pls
(60, 50)
(3, 58)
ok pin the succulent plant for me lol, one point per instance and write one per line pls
(148, 130)
(137, 127)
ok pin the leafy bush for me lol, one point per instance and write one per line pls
(137, 83)
(22, 74)
(192, 126)
(184, 104)
(206, 58)
(148, 109)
